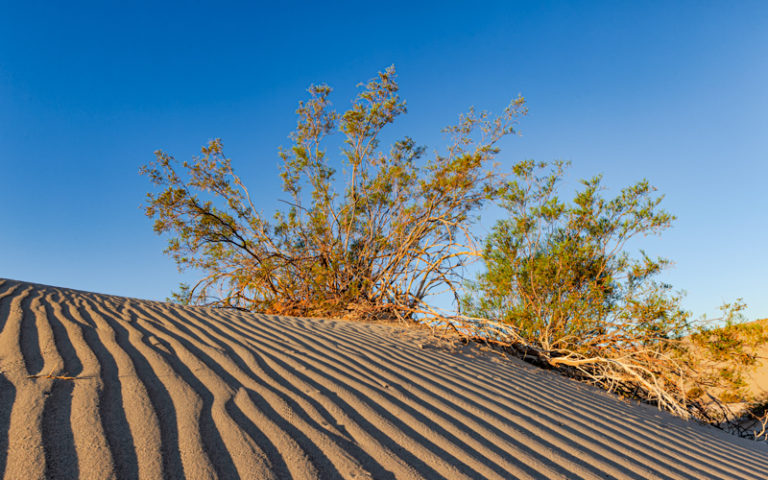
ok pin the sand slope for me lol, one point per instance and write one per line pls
(167, 392)
(757, 377)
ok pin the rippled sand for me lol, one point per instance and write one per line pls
(96, 386)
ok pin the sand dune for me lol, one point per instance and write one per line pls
(757, 377)
(161, 391)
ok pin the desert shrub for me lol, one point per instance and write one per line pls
(559, 274)
(370, 234)
(395, 226)
(559, 271)
(722, 353)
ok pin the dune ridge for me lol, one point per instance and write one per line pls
(98, 386)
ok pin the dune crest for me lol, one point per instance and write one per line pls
(97, 386)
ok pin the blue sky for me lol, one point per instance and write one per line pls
(676, 92)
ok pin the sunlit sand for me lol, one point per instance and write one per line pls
(97, 386)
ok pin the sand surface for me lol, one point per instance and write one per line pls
(161, 391)
(757, 377)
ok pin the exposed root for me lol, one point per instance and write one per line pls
(648, 374)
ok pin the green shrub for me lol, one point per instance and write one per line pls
(370, 234)
(559, 275)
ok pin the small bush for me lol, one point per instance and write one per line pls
(559, 275)
(369, 235)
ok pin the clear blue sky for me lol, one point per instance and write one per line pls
(676, 92)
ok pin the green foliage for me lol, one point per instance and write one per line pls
(559, 271)
(395, 233)
(726, 351)
(559, 274)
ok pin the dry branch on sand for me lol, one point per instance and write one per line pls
(661, 376)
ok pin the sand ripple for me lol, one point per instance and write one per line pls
(97, 386)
